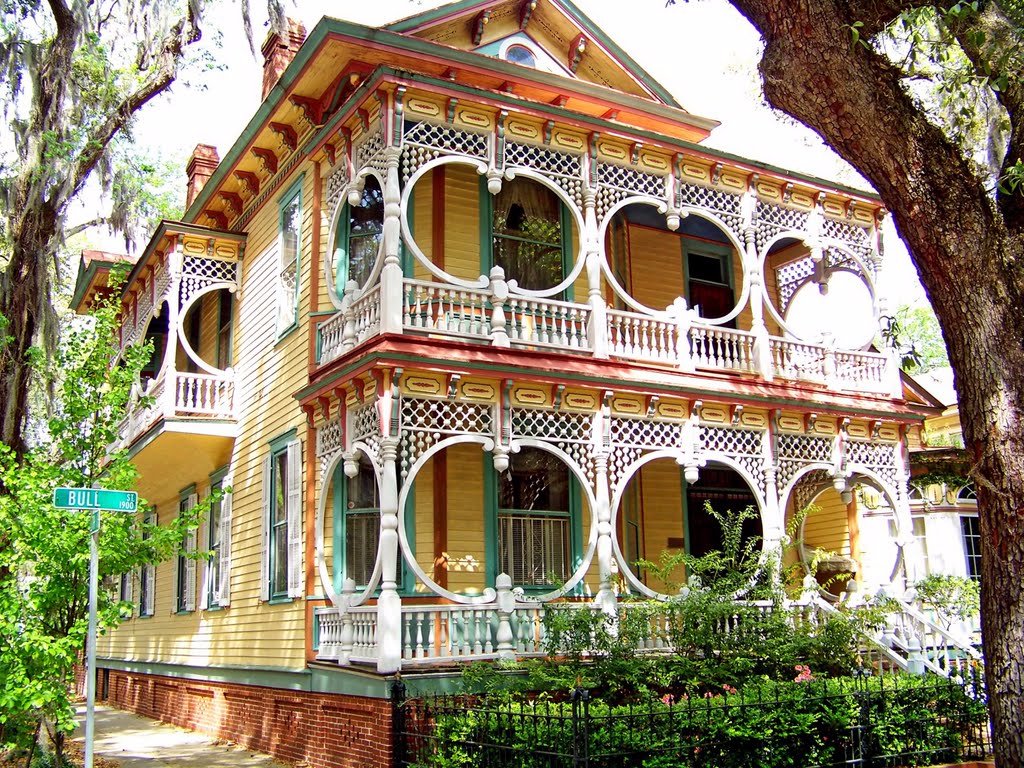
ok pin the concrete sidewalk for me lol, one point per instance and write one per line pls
(138, 742)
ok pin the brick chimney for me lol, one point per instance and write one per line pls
(200, 168)
(278, 52)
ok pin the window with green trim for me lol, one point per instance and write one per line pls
(529, 234)
(289, 239)
(709, 278)
(185, 582)
(147, 574)
(282, 561)
(535, 519)
(359, 235)
(214, 534)
(357, 523)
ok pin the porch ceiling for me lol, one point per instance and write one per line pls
(176, 453)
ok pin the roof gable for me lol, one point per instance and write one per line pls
(557, 28)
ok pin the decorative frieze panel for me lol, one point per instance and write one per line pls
(773, 219)
(563, 168)
(571, 432)
(880, 458)
(794, 452)
(727, 206)
(365, 425)
(857, 238)
(368, 152)
(329, 443)
(426, 421)
(334, 184)
(197, 272)
(616, 183)
(425, 141)
(744, 446)
(645, 434)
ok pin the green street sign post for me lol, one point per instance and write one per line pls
(93, 500)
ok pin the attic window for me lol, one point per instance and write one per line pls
(520, 54)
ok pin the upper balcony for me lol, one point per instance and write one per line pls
(695, 269)
(178, 297)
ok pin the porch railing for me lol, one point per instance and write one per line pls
(485, 315)
(189, 396)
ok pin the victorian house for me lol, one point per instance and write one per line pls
(469, 321)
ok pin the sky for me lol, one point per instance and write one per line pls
(703, 51)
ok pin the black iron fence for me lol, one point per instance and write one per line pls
(859, 721)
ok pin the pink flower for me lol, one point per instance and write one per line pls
(668, 699)
(803, 673)
(729, 689)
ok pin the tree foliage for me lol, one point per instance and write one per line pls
(44, 560)
(73, 77)
(926, 101)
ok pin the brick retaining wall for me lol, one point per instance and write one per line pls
(321, 730)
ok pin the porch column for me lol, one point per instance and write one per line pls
(773, 517)
(592, 250)
(762, 344)
(389, 604)
(175, 264)
(605, 598)
(391, 274)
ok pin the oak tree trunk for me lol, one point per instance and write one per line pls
(968, 250)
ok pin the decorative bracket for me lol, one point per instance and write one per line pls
(233, 201)
(557, 396)
(479, 24)
(250, 182)
(716, 173)
(652, 405)
(453, 385)
(525, 12)
(267, 158)
(737, 414)
(810, 420)
(576, 51)
(312, 109)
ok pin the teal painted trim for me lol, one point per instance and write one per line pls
(683, 485)
(523, 370)
(280, 443)
(292, 195)
(576, 526)
(486, 228)
(270, 677)
(219, 474)
(490, 518)
(280, 600)
(187, 491)
(338, 535)
(566, 225)
(575, 14)
(407, 579)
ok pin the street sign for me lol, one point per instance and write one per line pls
(95, 498)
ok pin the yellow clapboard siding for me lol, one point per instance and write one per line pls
(661, 501)
(462, 222)
(828, 527)
(466, 550)
(423, 222)
(655, 266)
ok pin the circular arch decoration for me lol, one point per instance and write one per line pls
(684, 212)
(901, 513)
(862, 272)
(675, 455)
(487, 446)
(180, 330)
(332, 233)
(157, 311)
(319, 555)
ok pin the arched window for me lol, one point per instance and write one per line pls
(520, 54)
(356, 523)
(360, 230)
(535, 519)
(528, 232)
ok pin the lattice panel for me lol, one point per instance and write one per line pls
(797, 451)
(646, 435)
(879, 457)
(809, 486)
(856, 237)
(741, 445)
(365, 423)
(425, 422)
(334, 185)
(572, 432)
(369, 152)
(631, 180)
(425, 141)
(725, 205)
(551, 425)
(772, 219)
(199, 272)
(162, 276)
(789, 277)
(145, 309)
(564, 169)
(329, 443)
